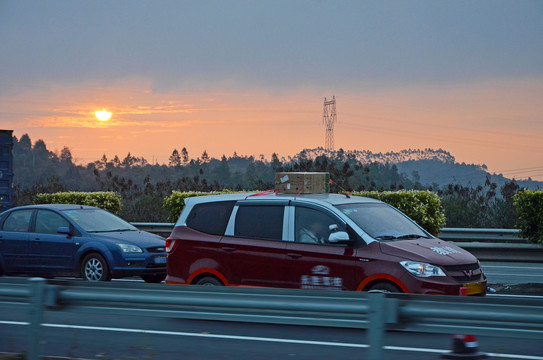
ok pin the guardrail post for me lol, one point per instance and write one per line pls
(37, 297)
(376, 330)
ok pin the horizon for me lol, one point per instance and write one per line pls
(288, 158)
(251, 78)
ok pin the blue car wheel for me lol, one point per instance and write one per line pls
(94, 268)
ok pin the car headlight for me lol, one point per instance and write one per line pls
(127, 248)
(422, 269)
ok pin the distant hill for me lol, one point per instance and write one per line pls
(428, 166)
(368, 157)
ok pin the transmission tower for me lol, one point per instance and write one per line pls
(328, 119)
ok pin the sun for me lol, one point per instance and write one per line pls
(103, 115)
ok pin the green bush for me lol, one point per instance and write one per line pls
(176, 201)
(109, 200)
(529, 205)
(424, 207)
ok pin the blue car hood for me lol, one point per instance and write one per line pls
(139, 238)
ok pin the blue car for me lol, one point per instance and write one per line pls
(81, 241)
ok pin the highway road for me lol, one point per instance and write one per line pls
(513, 272)
(94, 336)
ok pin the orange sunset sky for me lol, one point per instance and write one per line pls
(251, 78)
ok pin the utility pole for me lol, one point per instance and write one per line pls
(328, 119)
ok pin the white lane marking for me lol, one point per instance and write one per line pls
(263, 339)
(14, 323)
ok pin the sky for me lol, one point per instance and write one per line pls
(251, 77)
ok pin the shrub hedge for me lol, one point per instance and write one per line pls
(529, 205)
(106, 200)
(176, 201)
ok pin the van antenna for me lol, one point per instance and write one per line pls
(262, 193)
(331, 182)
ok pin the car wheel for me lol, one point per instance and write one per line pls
(386, 287)
(155, 278)
(209, 281)
(94, 268)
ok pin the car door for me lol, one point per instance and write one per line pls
(50, 252)
(254, 253)
(312, 261)
(14, 241)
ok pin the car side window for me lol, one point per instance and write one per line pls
(260, 222)
(313, 226)
(211, 218)
(18, 221)
(48, 222)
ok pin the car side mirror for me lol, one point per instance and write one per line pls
(339, 237)
(64, 230)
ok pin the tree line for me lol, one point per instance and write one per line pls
(143, 185)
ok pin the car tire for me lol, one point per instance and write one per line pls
(95, 268)
(209, 281)
(154, 278)
(385, 287)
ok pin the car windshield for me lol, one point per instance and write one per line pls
(98, 220)
(382, 222)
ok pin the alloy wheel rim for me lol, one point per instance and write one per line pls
(94, 270)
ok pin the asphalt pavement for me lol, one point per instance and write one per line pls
(513, 273)
(96, 336)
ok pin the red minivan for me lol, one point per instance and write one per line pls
(314, 241)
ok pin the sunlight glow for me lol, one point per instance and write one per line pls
(102, 115)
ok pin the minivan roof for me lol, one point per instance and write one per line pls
(333, 199)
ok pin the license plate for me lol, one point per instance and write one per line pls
(160, 260)
(473, 288)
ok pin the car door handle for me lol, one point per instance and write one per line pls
(294, 256)
(36, 239)
(228, 249)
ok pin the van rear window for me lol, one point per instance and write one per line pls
(260, 222)
(211, 218)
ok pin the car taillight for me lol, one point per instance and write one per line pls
(170, 245)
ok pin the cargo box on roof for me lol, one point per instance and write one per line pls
(302, 182)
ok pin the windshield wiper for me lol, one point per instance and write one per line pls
(411, 236)
(401, 237)
(114, 230)
(386, 237)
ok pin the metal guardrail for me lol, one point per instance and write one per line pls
(157, 228)
(378, 312)
(482, 235)
(485, 244)
(494, 244)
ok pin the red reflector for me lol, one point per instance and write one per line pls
(170, 245)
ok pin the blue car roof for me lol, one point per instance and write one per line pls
(59, 207)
